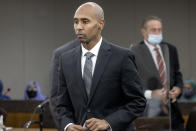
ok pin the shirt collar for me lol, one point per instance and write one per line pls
(150, 46)
(94, 50)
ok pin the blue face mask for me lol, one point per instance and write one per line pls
(188, 93)
(155, 39)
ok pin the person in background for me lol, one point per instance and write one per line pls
(33, 91)
(189, 94)
(158, 65)
(4, 113)
(2, 95)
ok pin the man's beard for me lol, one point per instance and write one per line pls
(86, 42)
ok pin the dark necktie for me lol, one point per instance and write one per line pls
(87, 73)
(161, 68)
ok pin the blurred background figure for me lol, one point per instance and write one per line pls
(3, 96)
(189, 91)
(3, 113)
(33, 91)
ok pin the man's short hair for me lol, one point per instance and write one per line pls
(149, 18)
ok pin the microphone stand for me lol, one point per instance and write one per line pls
(41, 116)
(40, 108)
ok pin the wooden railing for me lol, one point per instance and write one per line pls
(20, 111)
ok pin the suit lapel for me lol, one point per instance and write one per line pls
(78, 72)
(102, 59)
(148, 60)
(165, 51)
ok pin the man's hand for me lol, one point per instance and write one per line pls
(94, 124)
(74, 127)
(174, 93)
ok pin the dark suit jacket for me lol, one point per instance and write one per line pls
(54, 76)
(116, 93)
(147, 68)
(149, 74)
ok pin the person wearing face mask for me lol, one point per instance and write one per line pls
(158, 66)
(189, 91)
(33, 91)
(3, 96)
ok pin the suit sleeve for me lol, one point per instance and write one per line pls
(177, 74)
(60, 103)
(135, 101)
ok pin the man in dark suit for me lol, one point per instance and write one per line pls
(97, 92)
(158, 66)
(95, 84)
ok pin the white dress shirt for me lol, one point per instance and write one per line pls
(95, 51)
(148, 93)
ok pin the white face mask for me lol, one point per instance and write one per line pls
(155, 39)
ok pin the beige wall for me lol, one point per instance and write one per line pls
(31, 29)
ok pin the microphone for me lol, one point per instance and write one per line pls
(27, 124)
(40, 109)
(43, 103)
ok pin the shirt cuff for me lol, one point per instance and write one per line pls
(65, 129)
(110, 128)
(148, 94)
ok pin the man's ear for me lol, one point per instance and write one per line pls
(143, 32)
(101, 24)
